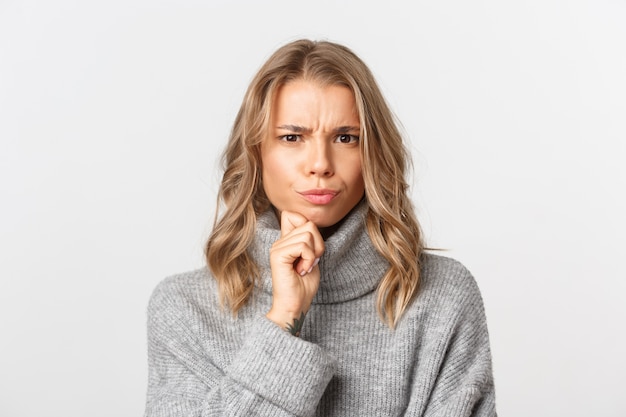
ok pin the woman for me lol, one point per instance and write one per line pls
(318, 298)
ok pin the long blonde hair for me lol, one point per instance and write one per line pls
(391, 222)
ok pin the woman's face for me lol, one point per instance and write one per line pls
(310, 156)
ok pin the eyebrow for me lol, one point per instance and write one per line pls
(302, 129)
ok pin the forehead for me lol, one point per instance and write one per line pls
(305, 99)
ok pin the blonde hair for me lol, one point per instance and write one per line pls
(391, 223)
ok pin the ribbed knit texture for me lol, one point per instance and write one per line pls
(347, 362)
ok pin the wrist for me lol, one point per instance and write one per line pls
(289, 321)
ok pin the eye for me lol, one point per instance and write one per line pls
(289, 138)
(347, 139)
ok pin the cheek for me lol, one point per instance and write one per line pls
(359, 184)
(354, 173)
(273, 172)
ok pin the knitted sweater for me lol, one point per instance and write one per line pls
(346, 362)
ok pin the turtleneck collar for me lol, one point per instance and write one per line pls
(350, 266)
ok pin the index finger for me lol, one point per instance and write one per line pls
(289, 220)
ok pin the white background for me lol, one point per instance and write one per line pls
(113, 115)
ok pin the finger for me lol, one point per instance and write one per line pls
(305, 266)
(296, 228)
(309, 233)
(301, 249)
(296, 246)
(289, 221)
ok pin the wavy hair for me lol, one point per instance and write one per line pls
(391, 222)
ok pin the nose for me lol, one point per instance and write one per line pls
(320, 160)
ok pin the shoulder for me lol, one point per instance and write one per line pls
(447, 284)
(448, 305)
(191, 289)
(439, 271)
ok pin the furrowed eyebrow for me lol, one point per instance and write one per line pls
(301, 129)
(294, 128)
(346, 129)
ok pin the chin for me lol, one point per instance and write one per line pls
(321, 218)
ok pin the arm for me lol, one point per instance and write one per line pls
(272, 374)
(464, 384)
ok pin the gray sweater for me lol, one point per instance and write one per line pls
(437, 362)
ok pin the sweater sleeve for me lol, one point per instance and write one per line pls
(272, 374)
(464, 385)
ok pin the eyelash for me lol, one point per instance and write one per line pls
(284, 138)
(353, 138)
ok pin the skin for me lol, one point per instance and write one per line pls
(312, 176)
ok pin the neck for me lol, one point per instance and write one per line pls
(350, 266)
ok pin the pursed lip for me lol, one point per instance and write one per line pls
(319, 195)
(318, 191)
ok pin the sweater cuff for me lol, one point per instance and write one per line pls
(286, 370)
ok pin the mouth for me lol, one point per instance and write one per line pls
(319, 196)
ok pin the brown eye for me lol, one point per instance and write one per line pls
(347, 139)
(289, 138)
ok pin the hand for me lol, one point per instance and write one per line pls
(295, 274)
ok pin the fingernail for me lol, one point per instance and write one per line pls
(303, 272)
(315, 262)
